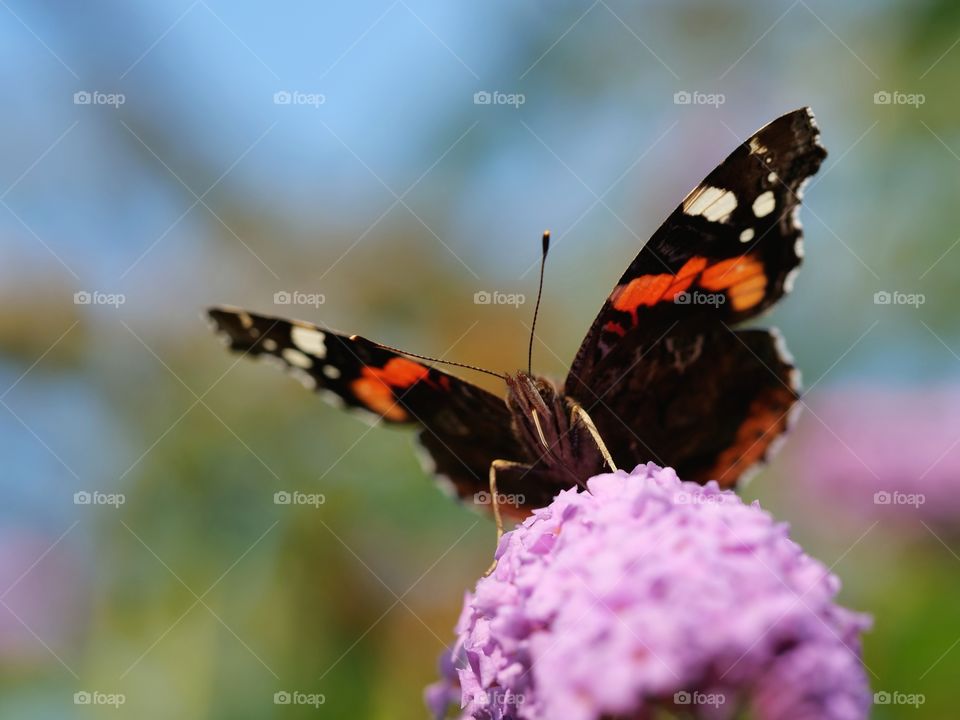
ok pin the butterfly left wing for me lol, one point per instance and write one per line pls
(727, 252)
(463, 427)
(675, 384)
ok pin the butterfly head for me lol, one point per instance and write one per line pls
(537, 408)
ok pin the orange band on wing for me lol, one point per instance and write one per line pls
(650, 289)
(374, 387)
(399, 372)
(644, 290)
(744, 279)
(378, 397)
(686, 275)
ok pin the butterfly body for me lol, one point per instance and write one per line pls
(664, 374)
(557, 446)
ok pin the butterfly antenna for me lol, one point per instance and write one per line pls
(438, 360)
(536, 309)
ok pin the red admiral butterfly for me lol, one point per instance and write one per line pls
(660, 376)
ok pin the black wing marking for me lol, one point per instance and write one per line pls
(727, 252)
(710, 403)
(463, 427)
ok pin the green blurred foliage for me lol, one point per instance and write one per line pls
(201, 598)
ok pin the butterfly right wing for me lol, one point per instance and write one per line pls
(727, 253)
(462, 427)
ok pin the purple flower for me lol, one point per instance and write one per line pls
(882, 453)
(42, 591)
(648, 593)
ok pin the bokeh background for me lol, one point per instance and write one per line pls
(149, 162)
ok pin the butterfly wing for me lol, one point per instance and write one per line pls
(667, 378)
(709, 402)
(463, 427)
(727, 252)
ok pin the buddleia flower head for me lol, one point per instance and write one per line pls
(647, 594)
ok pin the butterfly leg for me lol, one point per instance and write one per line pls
(494, 495)
(581, 414)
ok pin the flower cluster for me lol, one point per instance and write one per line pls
(885, 453)
(647, 593)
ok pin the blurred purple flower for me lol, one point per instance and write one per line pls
(649, 593)
(885, 453)
(40, 597)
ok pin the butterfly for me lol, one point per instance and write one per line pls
(662, 375)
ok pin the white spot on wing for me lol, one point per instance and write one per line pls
(429, 465)
(331, 398)
(269, 344)
(297, 358)
(795, 217)
(305, 378)
(756, 147)
(772, 177)
(715, 204)
(780, 346)
(747, 235)
(789, 280)
(309, 340)
(331, 371)
(764, 204)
